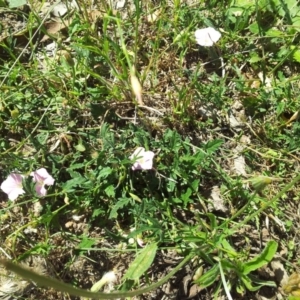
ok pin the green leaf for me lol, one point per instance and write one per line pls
(120, 204)
(274, 33)
(229, 249)
(254, 28)
(104, 173)
(296, 56)
(85, 244)
(186, 197)
(244, 3)
(195, 185)
(141, 263)
(209, 277)
(213, 146)
(296, 23)
(16, 3)
(70, 184)
(262, 282)
(261, 260)
(110, 191)
(213, 220)
(240, 288)
(80, 147)
(247, 282)
(254, 58)
(135, 198)
(97, 212)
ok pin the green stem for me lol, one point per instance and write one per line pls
(66, 288)
(269, 203)
(240, 211)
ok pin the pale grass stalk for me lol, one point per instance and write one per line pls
(49, 282)
(224, 282)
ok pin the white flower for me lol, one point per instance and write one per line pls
(207, 36)
(143, 160)
(12, 186)
(108, 279)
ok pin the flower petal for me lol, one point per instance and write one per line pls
(207, 36)
(143, 160)
(137, 153)
(12, 186)
(13, 195)
(40, 190)
(42, 176)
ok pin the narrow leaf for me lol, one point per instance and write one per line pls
(141, 263)
(261, 260)
(248, 284)
(209, 277)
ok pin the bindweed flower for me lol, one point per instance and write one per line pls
(109, 278)
(12, 186)
(207, 36)
(42, 178)
(140, 242)
(143, 160)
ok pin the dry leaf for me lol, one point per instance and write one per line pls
(233, 122)
(293, 118)
(69, 224)
(65, 55)
(54, 28)
(151, 18)
(280, 272)
(293, 285)
(136, 87)
(266, 80)
(239, 165)
(94, 15)
(217, 203)
(195, 289)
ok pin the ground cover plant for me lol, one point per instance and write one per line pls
(149, 149)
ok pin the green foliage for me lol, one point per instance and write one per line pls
(262, 259)
(85, 244)
(141, 263)
(209, 277)
(15, 3)
(241, 279)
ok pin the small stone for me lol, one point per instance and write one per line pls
(59, 10)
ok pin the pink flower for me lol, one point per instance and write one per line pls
(143, 160)
(12, 186)
(42, 178)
